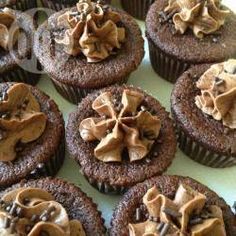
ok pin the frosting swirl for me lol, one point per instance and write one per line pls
(202, 16)
(188, 214)
(120, 128)
(218, 93)
(8, 34)
(33, 212)
(92, 30)
(20, 120)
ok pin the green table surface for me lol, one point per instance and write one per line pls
(223, 181)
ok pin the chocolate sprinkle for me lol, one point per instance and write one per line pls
(172, 212)
(165, 229)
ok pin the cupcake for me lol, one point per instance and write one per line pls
(15, 46)
(48, 207)
(137, 8)
(172, 205)
(57, 5)
(31, 134)
(120, 136)
(22, 5)
(190, 32)
(87, 48)
(203, 107)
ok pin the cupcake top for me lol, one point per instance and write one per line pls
(120, 135)
(206, 27)
(92, 29)
(218, 92)
(34, 211)
(203, 17)
(122, 125)
(172, 206)
(21, 120)
(187, 214)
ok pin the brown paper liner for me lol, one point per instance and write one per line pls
(75, 94)
(23, 5)
(19, 75)
(200, 154)
(137, 8)
(58, 5)
(169, 68)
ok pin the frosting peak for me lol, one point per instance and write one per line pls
(33, 212)
(120, 127)
(8, 35)
(92, 30)
(218, 93)
(186, 215)
(202, 16)
(20, 120)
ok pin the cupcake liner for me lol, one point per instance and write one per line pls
(24, 5)
(57, 5)
(200, 154)
(52, 166)
(167, 67)
(19, 75)
(106, 188)
(75, 94)
(137, 8)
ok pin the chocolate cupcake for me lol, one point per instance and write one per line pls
(203, 107)
(186, 33)
(22, 5)
(87, 48)
(120, 136)
(137, 8)
(31, 134)
(48, 207)
(15, 46)
(172, 205)
(58, 5)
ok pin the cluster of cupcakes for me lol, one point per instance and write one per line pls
(122, 138)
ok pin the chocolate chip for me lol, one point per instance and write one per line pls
(13, 209)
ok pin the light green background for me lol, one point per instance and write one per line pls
(223, 181)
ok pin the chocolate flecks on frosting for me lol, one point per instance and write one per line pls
(20, 120)
(188, 214)
(8, 33)
(202, 16)
(218, 93)
(92, 30)
(33, 212)
(130, 129)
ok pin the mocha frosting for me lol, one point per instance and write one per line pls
(33, 212)
(8, 34)
(187, 215)
(92, 30)
(125, 127)
(202, 16)
(218, 92)
(20, 120)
